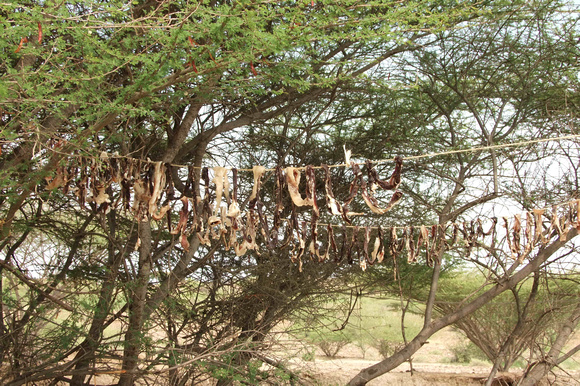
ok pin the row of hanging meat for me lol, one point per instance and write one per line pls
(148, 190)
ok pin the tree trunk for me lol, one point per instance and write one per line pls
(133, 337)
(87, 348)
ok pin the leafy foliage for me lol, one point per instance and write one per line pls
(238, 83)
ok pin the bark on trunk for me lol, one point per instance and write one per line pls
(133, 337)
(85, 354)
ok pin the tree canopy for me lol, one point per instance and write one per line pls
(99, 288)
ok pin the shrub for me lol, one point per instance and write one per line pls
(386, 348)
(330, 348)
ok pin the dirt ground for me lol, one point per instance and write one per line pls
(338, 371)
(431, 366)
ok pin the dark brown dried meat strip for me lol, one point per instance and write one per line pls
(374, 181)
(331, 246)
(353, 190)
(393, 181)
(366, 246)
(311, 193)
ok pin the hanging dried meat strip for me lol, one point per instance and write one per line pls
(528, 234)
(395, 248)
(331, 245)
(490, 232)
(469, 236)
(298, 251)
(207, 210)
(157, 183)
(250, 231)
(182, 224)
(353, 190)
(264, 229)
(311, 189)
(169, 189)
(183, 215)
(439, 241)
(219, 180)
(367, 239)
(424, 240)
(293, 181)
(249, 236)
(311, 193)
(378, 253)
(258, 173)
(394, 180)
(333, 206)
(234, 208)
(516, 233)
(538, 224)
(394, 244)
(280, 184)
(509, 239)
(374, 181)
(188, 187)
(410, 244)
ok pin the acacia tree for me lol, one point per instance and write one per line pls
(484, 88)
(229, 83)
(162, 81)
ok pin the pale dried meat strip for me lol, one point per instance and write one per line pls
(423, 239)
(538, 225)
(234, 208)
(158, 183)
(410, 245)
(528, 234)
(258, 173)
(516, 233)
(293, 181)
(378, 253)
(219, 179)
(331, 203)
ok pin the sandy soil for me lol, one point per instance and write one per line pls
(339, 371)
(431, 366)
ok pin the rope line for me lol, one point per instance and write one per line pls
(376, 162)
